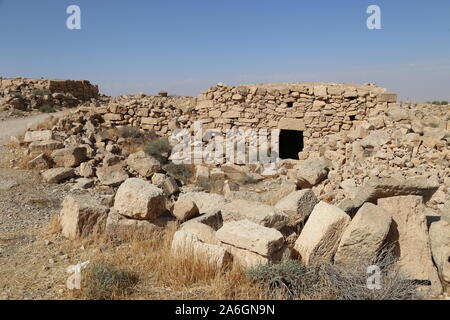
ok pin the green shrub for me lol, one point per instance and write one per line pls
(41, 92)
(444, 103)
(48, 108)
(438, 103)
(179, 171)
(103, 281)
(158, 148)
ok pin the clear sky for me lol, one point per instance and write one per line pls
(186, 46)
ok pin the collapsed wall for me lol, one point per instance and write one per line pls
(81, 89)
(304, 112)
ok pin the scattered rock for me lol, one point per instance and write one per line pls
(322, 233)
(364, 237)
(139, 199)
(57, 175)
(82, 215)
(185, 210)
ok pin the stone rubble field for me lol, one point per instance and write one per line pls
(383, 182)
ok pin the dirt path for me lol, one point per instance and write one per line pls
(14, 127)
(30, 267)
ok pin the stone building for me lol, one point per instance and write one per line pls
(305, 113)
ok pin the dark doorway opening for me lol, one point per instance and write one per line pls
(291, 143)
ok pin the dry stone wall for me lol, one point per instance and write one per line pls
(316, 109)
(82, 89)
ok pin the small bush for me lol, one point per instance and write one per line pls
(158, 148)
(41, 92)
(129, 132)
(286, 277)
(103, 281)
(48, 109)
(433, 125)
(444, 103)
(438, 103)
(327, 281)
(246, 180)
(179, 171)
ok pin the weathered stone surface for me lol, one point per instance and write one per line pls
(186, 243)
(112, 176)
(292, 124)
(410, 239)
(118, 225)
(311, 172)
(34, 136)
(204, 232)
(248, 235)
(139, 199)
(364, 237)
(297, 206)
(445, 215)
(376, 188)
(440, 247)
(259, 213)
(167, 183)
(212, 219)
(143, 164)
(69, 157)
(322, 233)
(206, 202)
(45, 146)
(57, 175)
(86, 170)
(41, 162)
(82, 215)
(185, 210)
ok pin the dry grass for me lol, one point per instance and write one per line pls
(162, 275)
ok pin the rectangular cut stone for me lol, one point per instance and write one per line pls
(291, 124)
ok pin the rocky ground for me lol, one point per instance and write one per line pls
(388, 184)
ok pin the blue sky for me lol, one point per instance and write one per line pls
(187, 46)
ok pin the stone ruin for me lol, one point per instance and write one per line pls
(361, 171)
(28, 94)
(304, 113)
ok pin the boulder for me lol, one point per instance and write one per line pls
(322, 233)
(206, 202)
(86, 170)
(112, 176)
(185, 210)
(204, 232)
(45, 146)
(41, 162)
(364, 237)
(409, 237)
(120, 226)
(440, 247)
(69, 157)
(167, 183)
(376, 188)
(139, 199)
(57, 175)
(259, 213)
(212, 219)
(445, 215)
(297, 206)
(143, 164)
(311, 172)
(82, 215)
(34, 136)
(186, 243)
(250, 236)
